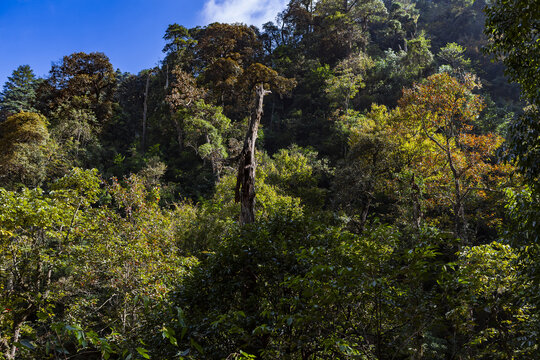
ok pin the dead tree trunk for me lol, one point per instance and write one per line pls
(245, 181)
(167, 78)
(145, 110)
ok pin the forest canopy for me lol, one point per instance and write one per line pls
(358, 179)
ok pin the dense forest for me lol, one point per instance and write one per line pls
(358, 179)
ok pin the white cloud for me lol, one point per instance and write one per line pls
(251, 12)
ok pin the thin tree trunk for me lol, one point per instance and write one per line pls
(179, 134)
(460, 219)
(460, 222)
(145, 110)
(16, 334)
(17, 323)
(245, 181)
(167, 77)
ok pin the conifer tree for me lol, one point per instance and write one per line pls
(19, 92)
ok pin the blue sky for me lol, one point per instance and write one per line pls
(129, 32)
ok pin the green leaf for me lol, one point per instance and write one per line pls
(26, 343)
(290, 321)
(196, 346)
(169, 333)
(143, 352)
(184, 331)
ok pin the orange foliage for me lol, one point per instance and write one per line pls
(438, 127)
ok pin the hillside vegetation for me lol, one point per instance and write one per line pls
(394, 177)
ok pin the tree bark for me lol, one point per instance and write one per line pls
(417, 208)
(245, 181)
(179, 133)
(17, 323)
(167, 78)
(145, 110)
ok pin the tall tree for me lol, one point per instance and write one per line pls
(452, 55)
(183, 96)
(23, 149)
(178, 49)
(178, 40)
(348, 79)
(513, 27)
(363, 176)
(205, 127)
(223, 52)
(360, 11)
(345, 24)
(442, 111)
(245, 182)
(19, 92)
(145, 106)
(85, 75)
(419, 56)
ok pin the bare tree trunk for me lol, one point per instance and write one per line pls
(145, 110)
(17, 323)
(179, 133)
(167, 77)
(13, 350)
(245, 181)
